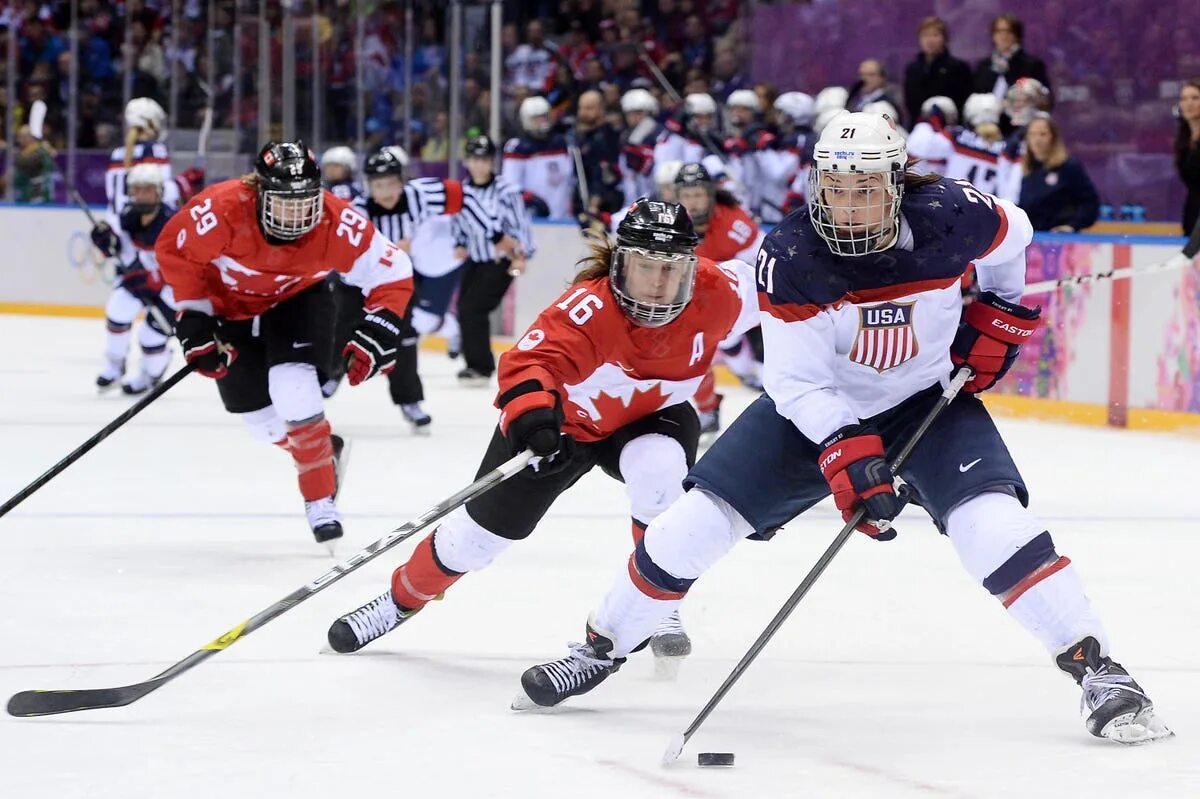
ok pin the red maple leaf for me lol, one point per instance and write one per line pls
(610, 409)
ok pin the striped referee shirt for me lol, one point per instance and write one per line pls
(427, 197)
(502, 199)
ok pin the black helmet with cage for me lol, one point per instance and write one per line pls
(699, 206)
(386, 161)
(480, 146)
(653, 268)
(290, 199)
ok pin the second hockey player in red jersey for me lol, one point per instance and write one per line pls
(247, 260)
(602, 378)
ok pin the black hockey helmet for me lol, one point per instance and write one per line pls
(480, 146)
(696, 176)
(386, 161)
(653, 268)
(289, 189)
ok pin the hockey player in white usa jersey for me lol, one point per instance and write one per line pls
(145, 131)
(861, 320)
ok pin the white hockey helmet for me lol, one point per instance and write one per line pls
(945, 105)
(664, 179)
(856, 182)
(744, 98)
(146, 114)
(886, 109)
(982, 109)
(832, 97)
(531, 109)
(799, 107)
(639, 100)
(699, 103)
(823, 118)
(1025, 98)
(342, 156)
(144, 175)
(399, 152)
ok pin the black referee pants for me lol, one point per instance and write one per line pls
(404, 384)
(484, 284)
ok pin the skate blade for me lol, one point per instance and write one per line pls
(422, 430)
(522, 703)
(330, 547)
(666, 667)
(1134, 731)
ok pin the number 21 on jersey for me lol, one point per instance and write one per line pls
(766, 271)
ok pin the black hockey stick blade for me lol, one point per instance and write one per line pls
(47, 703)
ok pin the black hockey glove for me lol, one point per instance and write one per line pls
(373, 346)
(197, 334)
(106, 239)
(532, 418)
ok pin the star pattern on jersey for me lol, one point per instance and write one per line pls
(934, 204)
(792, 250)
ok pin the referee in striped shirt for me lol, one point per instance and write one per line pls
(487, 273)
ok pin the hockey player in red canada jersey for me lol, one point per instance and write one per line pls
(727, 233)
(863, 321)
(247, 260)
(601, 378)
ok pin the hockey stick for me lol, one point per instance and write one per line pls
(680, 740)
(1119, 273)
(105, 432)
(45, 703)
(707, 139)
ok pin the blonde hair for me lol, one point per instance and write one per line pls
(1058, 150)
(595, 264)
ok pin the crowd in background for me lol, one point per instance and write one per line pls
(560, 50)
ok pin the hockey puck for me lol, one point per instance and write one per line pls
(715, 758)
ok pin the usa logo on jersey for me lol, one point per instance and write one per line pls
(885, 335)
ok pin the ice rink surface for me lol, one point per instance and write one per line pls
(896, 677)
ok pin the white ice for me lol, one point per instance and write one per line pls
(896, 677)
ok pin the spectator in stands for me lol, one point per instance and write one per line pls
(34, 166)
(728, 77)
(872, 87)
(1056, 191)
(1008, 61)
(532, 63)
(577, 48)
(437, 146)
(934, 72)
(1187, 151)
(600, 151)
(697, 49)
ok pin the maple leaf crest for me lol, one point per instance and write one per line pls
(641, 403)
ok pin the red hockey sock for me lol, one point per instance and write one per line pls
(422, 578)
(707, 399)
(312, 452)
(639, 532)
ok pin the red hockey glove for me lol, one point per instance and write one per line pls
(990, 337)
(853, 464)
(197, 334)
(735, 145)
(532, 418)
(639, 157)
(763, 140)
(373, 346)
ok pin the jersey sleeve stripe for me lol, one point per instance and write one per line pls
(786, 311)
(454, 197)
(888, 293)
(1001, 232)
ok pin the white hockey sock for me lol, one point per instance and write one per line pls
(1058, 613)
(629, 615)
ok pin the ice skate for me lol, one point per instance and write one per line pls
(1115, 706)
(587, 665)
(325, 521)
(670, 645)
(355, 630)
(141, 383)
(415, 415)
(110, 374)
(471, 377)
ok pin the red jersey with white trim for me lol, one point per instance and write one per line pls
(213, 253)
(731, 234)
(610, 371)
(848, 338)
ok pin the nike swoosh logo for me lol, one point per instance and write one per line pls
(301, 345)
(969, 466)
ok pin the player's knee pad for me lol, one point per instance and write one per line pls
(425, 322)
(295, 392)
(122, 307)
(1000, 543)
(461, 545)
(265, 425)
(685, 541)
(653, 467)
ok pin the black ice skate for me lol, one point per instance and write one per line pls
(583, 669)
(325, 521)
(471, 377)
(670, 645)
(141, 383)
(109, 375)
(415, 415)
(355, 630)
(1119, 709)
